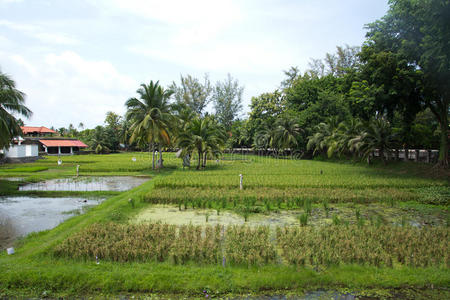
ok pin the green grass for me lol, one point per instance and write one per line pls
(33, 270)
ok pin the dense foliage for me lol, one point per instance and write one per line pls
(11, 102)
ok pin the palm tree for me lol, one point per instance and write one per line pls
(286, 132)
(322, 139)
(377, 134)
(266, 137)
(11, 102)
(346, 131)
(204, 136)
(150, 117)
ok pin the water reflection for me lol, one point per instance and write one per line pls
(313, 295)
(113, 183)
(22, 215)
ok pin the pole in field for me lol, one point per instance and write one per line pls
(240, 181)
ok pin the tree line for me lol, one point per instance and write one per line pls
(392, 91)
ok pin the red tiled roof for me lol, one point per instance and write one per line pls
(41, 129)
(63, 143)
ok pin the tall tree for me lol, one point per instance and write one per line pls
(113, 130)
(287, 132)
(150, 117)
(376, 134)
(201, 135)
(193, 93)
(265, 109)
(227, 99)
(419, 32)
(11, 102)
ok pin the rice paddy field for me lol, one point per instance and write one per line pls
(295, 226)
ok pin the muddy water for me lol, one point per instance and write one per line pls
(314, 295)
(84, 183)
(172, 215)
(22, 215)
(371, 214)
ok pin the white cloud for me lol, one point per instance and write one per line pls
(95, 74)
(72, 89)
(41, 34)
(24, 63)
(188, 22)
(224, 57)
(10, 1)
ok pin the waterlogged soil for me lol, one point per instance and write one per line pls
(369, 214)
(20, 216)
(86, 183)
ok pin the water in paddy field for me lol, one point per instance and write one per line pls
(20, 216)
(85, 183)
(314, 295)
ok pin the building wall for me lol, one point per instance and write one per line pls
(18, 151)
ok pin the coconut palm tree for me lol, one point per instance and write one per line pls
(266, 137)
(321, 140)
(11, 102)
(286, 132)
(150, 117)
(377, 134)
(340, 141)
(204, 136)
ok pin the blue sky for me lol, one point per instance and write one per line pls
(76, 60)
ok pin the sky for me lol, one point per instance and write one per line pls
(78, 59)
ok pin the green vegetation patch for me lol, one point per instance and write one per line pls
(21, 169)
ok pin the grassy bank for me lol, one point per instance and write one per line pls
(40, 267)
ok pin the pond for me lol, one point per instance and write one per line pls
(86, 183)
(22, 215)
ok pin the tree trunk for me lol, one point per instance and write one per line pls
(383, 157)
(443, 149)
(160, 157)
(204, 159)
(200, 155)
(153, 156)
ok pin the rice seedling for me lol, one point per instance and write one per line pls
(152, 242)
(303, 219)
(307, 206)
(366, 245)
(249, 246)
(326, 208)
(336, 220)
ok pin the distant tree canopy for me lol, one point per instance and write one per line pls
(193, 93)
(227, 99)
(393, 91)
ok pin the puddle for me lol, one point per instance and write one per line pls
(22, 215)
(84, 183)
(172, 215)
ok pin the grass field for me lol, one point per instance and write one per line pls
(365, 229)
